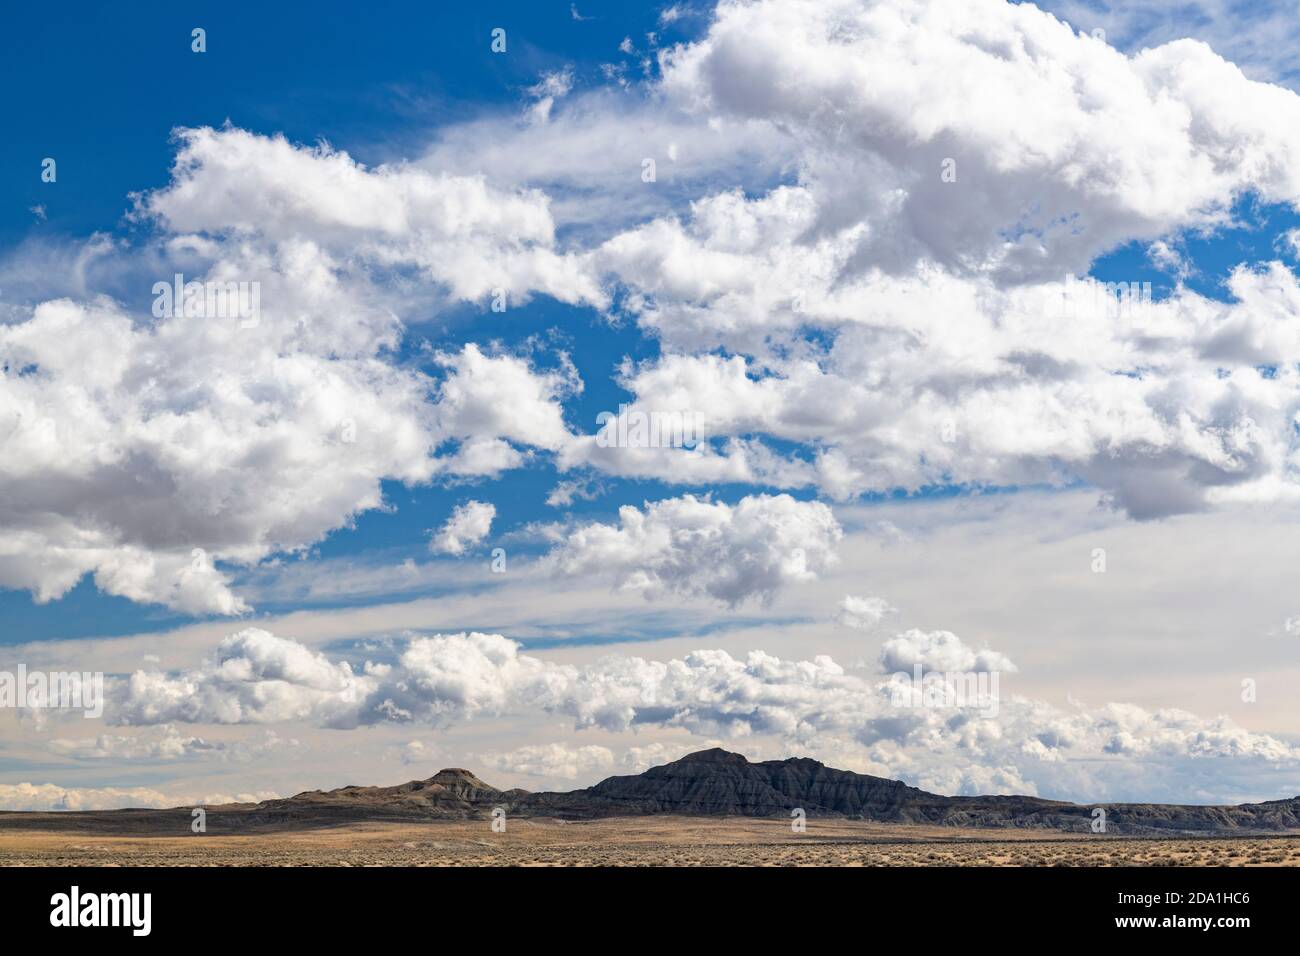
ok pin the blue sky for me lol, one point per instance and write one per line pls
(922, 449)
(339, 76)
(376, 84)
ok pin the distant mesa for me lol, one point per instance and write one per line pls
(709, 783)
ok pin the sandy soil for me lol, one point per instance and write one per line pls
(642, 841)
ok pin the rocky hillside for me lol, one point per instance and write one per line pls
(716, 782)
(709, 783)
(451, 793)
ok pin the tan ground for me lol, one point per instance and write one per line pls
(642, 841)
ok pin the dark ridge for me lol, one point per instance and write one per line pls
(711, 782)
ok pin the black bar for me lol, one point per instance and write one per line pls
(333, 906)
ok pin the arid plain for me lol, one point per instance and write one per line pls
(640, 841)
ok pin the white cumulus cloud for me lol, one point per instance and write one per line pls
(863, 613)
(468, 525)
(698, 547)
(807, 704)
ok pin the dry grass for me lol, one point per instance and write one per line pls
(642, 841)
